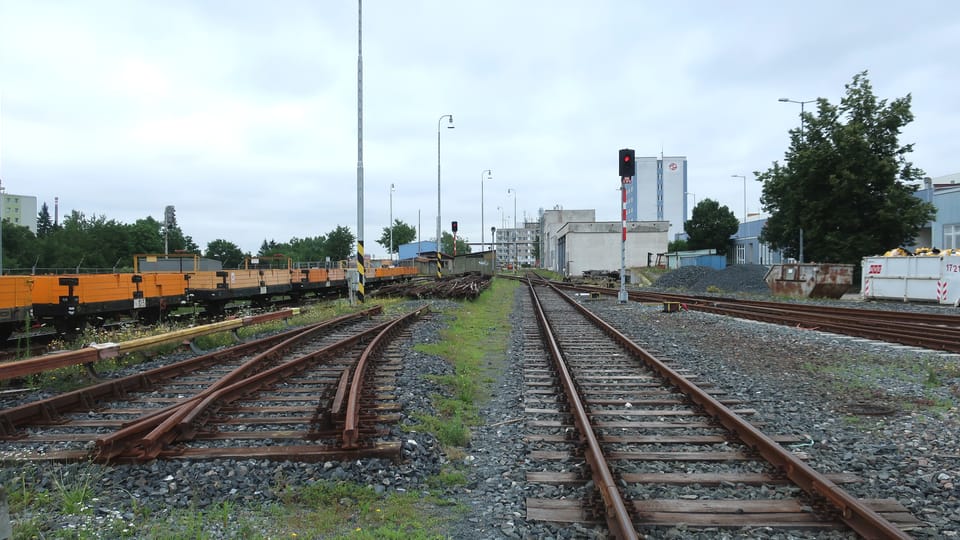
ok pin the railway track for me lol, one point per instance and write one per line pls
(615, 426)
(936, 331)
(313, 393)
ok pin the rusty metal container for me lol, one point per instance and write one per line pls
(810, 280)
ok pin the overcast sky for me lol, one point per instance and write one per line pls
(243, 114)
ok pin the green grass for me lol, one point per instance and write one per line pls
(475, 344)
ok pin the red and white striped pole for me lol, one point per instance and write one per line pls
(628, 169)
(622, 296)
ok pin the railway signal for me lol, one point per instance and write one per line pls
(628, 164)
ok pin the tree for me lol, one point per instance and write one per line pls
(447, 244)
(20, 248)
(402, 234)
(844, 184)
(339, 245)
(710, 227)
(44, 223)
(146, 236)
(226, 252)
(677, 245)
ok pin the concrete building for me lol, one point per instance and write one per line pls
(517, 247)
(551, 221)
(585, 246)
(944, 231)
(658, 192)
(747, 248)
(20, 210)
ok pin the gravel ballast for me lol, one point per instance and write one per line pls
(800, 381)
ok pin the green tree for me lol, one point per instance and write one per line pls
(402, 234)
(20, 248)
(339, 245)
(710, 227)
(844, 183)
(146, 236)
(44, 223)
(677, 245)
(269, 248)
(226, 252)
(447, 244)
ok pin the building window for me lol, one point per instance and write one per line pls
(741, 253)
(951, 236)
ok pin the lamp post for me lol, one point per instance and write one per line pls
(744, 194)
(802, 103)
(392, 187)
(489, 175)
(449, 126)
(516, 247)
(803, 137)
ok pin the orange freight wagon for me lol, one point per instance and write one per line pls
(72, 300)
(15, 301)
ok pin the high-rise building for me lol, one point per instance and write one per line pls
(658, 192)
(20, 210)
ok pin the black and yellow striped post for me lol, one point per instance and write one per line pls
(439, 272)
(360, 271)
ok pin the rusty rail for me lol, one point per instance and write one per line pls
(146, 437)
(102, 351)
(932, 331)
(351, 417)
(855, 514)
(616, 513)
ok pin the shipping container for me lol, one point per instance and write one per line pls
(928, 278)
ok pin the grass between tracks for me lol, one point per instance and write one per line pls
(474, 344)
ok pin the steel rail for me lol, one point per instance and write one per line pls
(931, 319)
(187, 419)
(617, 516)
(102, 351)
(855, 514)
(906, 334)
(351, 418)
(115, 444)
(935, 332)
(49, 409)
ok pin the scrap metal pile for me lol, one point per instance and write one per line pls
(464, 286)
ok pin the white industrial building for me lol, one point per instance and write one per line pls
(572, 241)
(597, 245)
(658, 192)
(551, 221)
(19, 209)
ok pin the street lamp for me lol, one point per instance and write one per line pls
(802, 103)
(516, 247)
(392, 187)
(450, 126)
(744, 194)
(489, 176)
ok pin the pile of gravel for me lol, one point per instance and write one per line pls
(745, 278)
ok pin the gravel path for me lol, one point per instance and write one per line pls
(800, 382)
